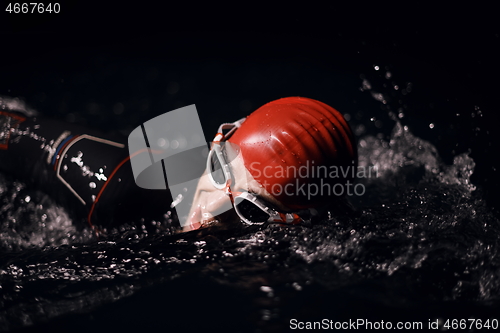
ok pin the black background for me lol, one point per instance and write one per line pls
(453, 50)
(449, 53)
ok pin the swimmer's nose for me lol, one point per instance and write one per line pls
(218, 202)
(209, 206)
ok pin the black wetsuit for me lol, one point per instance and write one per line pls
(87, 172)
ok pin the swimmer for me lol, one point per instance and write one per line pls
(264, 166)
(85, 171)
(256, 170)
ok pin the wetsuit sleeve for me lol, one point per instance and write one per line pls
(86, 171)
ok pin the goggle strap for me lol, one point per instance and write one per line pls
(227, 190)
(228, 126)
(218, 137)
(288, 218)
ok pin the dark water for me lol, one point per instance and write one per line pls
(425, 245)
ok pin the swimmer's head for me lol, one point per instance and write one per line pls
(292, 142)
(290, 153)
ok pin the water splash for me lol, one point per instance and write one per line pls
(16, 104)
(404, 152)
(31, 219)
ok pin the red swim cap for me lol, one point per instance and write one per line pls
(297, 141)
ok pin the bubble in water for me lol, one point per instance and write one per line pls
(163, 143)
(365, 85)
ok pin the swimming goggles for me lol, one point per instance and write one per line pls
(250, 208)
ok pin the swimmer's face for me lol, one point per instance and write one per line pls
(212, 205)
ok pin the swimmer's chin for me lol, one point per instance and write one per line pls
(223, 221)
(200, 225)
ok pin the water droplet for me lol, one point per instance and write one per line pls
(92, 185)
(431, 125)
(366, 85)
(162, 143)
(27, 199)
(266, 289)
(376, 67)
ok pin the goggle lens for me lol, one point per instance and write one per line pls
(216, 170)
(247, 206)
(249, 211)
